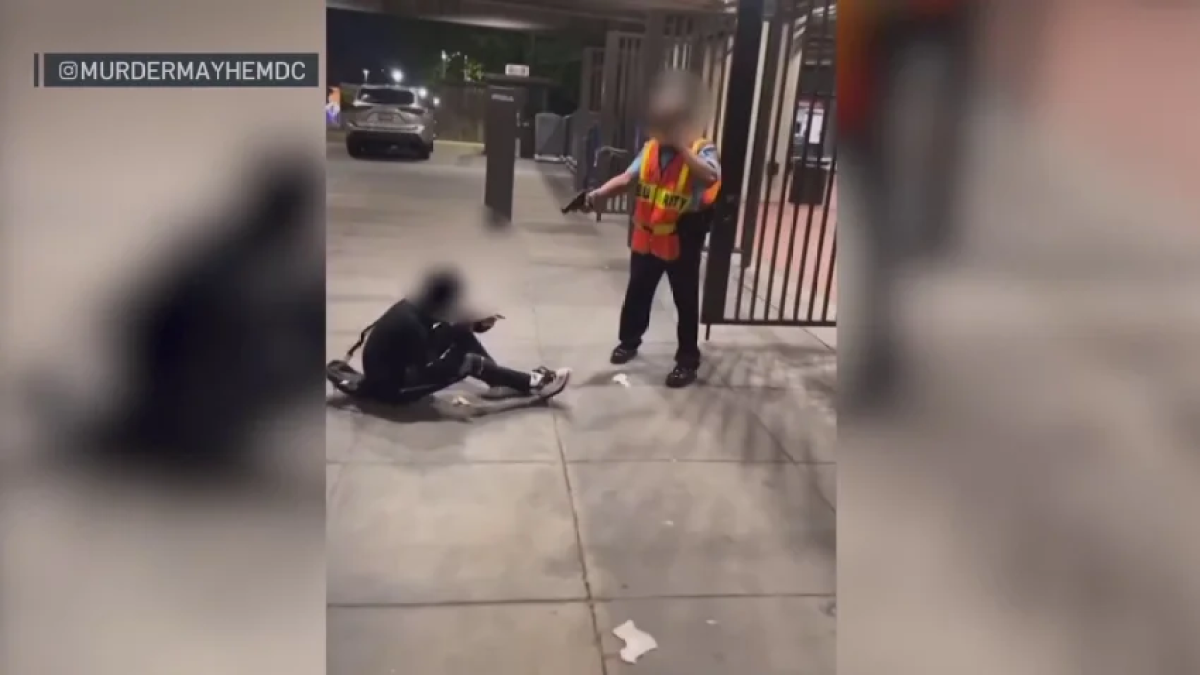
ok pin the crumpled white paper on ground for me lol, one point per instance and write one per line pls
(637, 642)
(621, 379)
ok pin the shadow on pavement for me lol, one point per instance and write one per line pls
(434, 409)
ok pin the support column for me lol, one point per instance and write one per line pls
(651, 62)
(790, 63)
(763, 126)
(697, 43)
(586, 79)
(739, 111)
(609, 96)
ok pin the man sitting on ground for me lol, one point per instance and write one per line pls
(423, 345)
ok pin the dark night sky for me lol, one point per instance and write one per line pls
(357, 40)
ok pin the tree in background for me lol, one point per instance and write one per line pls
(455, 67)
(559, 58)
(470, 52)
(378, 43)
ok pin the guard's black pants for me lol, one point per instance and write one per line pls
(683, 274)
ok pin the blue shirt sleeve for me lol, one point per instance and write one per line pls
(709, 154)
(635, 167)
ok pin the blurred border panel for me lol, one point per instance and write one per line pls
(1119, 76)
(162, 478)
(1018, 483)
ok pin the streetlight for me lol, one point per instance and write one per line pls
(436, 101)
(366, 75)
(397, 75)
(423, 92)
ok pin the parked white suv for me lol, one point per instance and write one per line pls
(389, 118)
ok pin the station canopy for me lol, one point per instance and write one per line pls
(536, 15)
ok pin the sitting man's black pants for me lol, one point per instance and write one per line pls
(461, 355)
(683, 274)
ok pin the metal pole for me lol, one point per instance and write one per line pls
(608, 90)
(651, 60)
(739, 110)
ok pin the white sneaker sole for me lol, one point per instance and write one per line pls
(561, 377)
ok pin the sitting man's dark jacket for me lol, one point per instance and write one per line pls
(407, 354)
(426, 343)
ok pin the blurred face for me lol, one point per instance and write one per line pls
(668, 108)
(673, 103)
(440, 293)
(667, 101)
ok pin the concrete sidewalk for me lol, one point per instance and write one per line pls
(464, 540)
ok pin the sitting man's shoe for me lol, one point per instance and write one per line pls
(550, 383)
(622, 355)
(682, 376)
(343, 377)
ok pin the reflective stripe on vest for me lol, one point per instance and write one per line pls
(663, 198)
(663, 195)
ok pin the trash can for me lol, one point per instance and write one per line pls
(810, 178)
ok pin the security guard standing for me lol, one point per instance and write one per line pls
(678, 175)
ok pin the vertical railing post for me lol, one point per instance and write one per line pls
(608, 90)
(739, 110)
(650, 63)
(587, 65)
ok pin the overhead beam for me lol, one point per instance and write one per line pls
(503, 14)
(627, 14)
(373, 6)
(631, 17)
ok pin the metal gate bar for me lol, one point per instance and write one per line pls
(583, 126)
(591, 79)
(817, 39)
(719, 48)
(749, 218)
(621, 81)
(811, 28)
(734, 141)
(808, 174)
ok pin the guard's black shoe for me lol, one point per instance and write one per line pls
(681, 376)
(622, 355)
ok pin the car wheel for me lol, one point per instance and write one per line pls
(426, 152)
(355, 149)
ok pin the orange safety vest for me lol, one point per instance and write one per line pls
(663, 195)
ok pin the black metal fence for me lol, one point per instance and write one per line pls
(614, 85)
(773, 252)
(772, 256)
